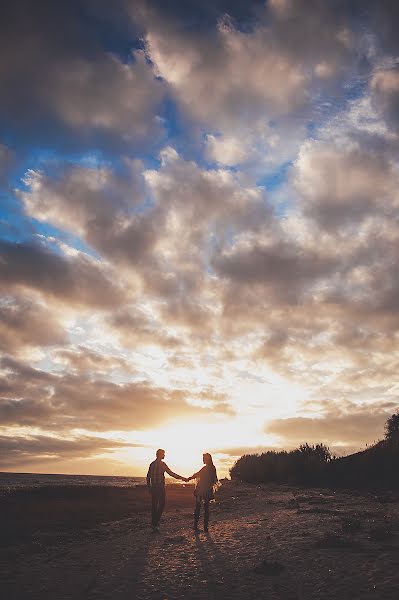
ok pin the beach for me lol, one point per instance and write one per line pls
(274, 542)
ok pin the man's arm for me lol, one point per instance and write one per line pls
(169, 472)
(149, 477)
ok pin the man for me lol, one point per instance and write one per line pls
(156, 486)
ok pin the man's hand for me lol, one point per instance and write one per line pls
(186, 479)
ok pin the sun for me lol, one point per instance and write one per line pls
(184, 446)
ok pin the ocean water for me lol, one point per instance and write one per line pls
(12, 481)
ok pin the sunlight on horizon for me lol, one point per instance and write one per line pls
(185, 443)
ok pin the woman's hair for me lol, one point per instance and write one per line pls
(207, 458)
(209, 463)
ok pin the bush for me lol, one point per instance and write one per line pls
(303, 465)
(375, 468)
(392, 428)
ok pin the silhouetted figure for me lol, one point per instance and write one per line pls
(207, 481)
(156, 486)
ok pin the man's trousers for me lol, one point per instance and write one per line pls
(157, 503)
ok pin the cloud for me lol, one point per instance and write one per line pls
(227, 74)
(97, 205)
(285, 262)
(237, 451)
(76, 281)
(17, 451)
(285, 268)
(384, 87)
(163, 245)
(134, 327)
(354, 427)
(253, 83)
(340, 186)
(69, 400)
(86, 360)
(24, 323)
(79, 93)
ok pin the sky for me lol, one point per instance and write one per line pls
(199, 232)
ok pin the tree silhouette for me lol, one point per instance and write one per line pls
(392, 428)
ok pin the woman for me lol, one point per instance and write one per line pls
(207, 483)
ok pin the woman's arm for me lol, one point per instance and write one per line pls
(197, 474)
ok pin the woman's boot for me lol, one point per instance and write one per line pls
(206, 516)
(197, 515)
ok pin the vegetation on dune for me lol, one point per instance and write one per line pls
(378, 466)
(303, 465)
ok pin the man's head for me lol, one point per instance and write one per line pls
(160, 454)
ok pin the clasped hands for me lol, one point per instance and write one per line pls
(186, 479)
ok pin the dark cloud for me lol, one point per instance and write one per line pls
(17, 451)
(382, 18)
(385, 94)
(194, 15)
(285, 268)
(77, 281)
(25, 323)
(7, 161)
(63, 56)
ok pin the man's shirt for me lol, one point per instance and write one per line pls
(156, 473)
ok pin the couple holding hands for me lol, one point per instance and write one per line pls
(207, 482)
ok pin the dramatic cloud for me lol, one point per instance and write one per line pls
(200, 224)
(31, 397)
(268, 71)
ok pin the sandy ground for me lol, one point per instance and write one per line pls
(264, 542)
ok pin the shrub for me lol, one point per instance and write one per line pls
(392, 428)
(303, 465)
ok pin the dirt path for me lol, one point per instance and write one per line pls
(270, 544)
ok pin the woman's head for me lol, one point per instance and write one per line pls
(207, 458)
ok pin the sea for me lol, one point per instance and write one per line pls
(12, 481)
